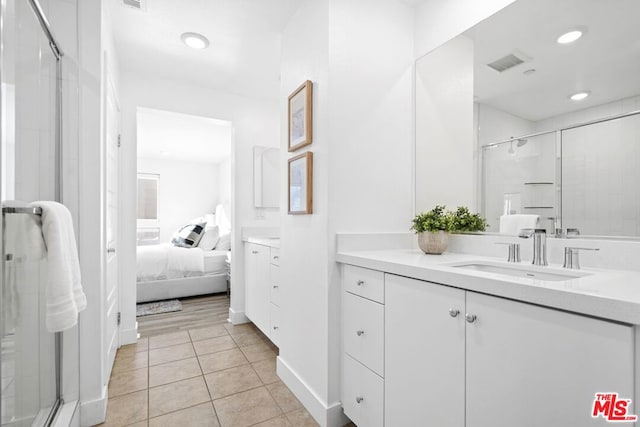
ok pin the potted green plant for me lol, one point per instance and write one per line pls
(433, 227)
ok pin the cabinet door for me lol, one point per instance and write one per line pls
(535, 366)
(257, 285)
(424, 354)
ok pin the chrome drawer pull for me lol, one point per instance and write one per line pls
(254, 252)
(359, 399)
(360, 282)
(359, 333)
(470, 318)
(453, 312)
(275, 286)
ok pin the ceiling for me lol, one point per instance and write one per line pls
(605, 61)
(244, 52)
(175, 136)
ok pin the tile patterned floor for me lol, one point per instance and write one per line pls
(220, 375)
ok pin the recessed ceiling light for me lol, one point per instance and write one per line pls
(570, 37)
(579, 96)
(195, 40)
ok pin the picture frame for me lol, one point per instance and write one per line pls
(299, 116)
(300, 180)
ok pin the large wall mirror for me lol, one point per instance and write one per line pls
(511, 120)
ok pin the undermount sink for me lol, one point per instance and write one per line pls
(520, 271)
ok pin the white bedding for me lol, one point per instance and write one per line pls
(166, 261)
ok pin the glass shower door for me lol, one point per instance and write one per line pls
(29, 112)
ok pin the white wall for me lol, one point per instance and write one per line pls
(255, 122)
(495, 125)
(362, 178)
(224, 182)
(186, 190)
(444, 127)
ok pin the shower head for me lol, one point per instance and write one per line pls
(521, 142)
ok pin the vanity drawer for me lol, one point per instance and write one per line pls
(364, 282)
(275, 256)
(362, 394)
(274, 285)
(363, 329)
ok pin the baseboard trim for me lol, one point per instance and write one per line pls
(237, 317)
(129, 336)
(325, 415)
(94, 412)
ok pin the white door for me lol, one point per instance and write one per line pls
(424, 354)
(111, 232)
(534, 366)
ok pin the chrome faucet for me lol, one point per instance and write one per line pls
(539, 236)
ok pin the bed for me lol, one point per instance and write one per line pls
(166, 271)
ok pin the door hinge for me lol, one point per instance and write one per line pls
(118, 141)
(119, 318)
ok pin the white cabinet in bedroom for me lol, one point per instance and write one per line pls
(262, 284)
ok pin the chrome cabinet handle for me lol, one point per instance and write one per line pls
(276, 257)
(111, 250)
(470, 318)
(359, 333)
(275, 286)
(453, 312)
(359, 399)
(275, 328)
(254, 252)
(360, 282)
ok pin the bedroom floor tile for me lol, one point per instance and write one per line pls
(222, 360)
(208, 332)
(213, 345)
(169, 354)
(167, 340)
(173, 371)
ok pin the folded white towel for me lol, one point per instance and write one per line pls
(512, 224)
(65, 298)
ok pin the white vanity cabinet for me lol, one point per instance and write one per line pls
(452, 354)
(363, 345)
(262, 287)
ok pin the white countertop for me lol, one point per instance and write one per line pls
(608, 294)
(272, 242)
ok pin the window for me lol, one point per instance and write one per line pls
(148, 199)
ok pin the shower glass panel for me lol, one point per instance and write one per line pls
(520, 177)
(29, 112)
(600, 177)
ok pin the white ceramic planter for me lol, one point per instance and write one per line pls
(433, 242)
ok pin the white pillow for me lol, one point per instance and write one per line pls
(210, 238)
(224, 244)
(188, 236)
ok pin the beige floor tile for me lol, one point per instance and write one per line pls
(222, 360)
(283, 397)
(129, 363)
(144, 423)
(208, 332)
(167, 340)
(196, 416)
(281, 421)
(179, 395)
(126, 409)
(244, 340)
(231, 381)
(240, 329)
(246, 408)
(173, 371)
(128, 382)
(302, 418)
(169, 354)
(131, 349)
(266, 370)
(258, 352)
(213, 345)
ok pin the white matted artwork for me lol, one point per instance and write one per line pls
(300, 126)
(300, 184)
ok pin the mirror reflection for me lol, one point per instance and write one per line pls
(541, 118)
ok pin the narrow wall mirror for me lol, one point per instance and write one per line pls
(535, 124)
(266, 191)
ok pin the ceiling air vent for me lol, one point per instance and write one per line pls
(136, 4)
(507, 62)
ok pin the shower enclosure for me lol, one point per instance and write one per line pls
(39, 369)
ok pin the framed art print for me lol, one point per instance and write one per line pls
(300, 126)
(301, 184)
